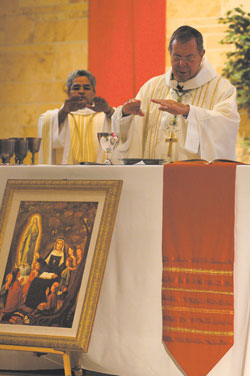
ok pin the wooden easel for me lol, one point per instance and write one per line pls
(65, 354)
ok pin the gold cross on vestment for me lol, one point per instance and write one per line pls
(171, 139)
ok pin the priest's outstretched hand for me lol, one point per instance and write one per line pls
(171, 106)
(132, 107)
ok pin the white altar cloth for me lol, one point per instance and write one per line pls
(126, 337)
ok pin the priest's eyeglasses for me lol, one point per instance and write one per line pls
(186, 59)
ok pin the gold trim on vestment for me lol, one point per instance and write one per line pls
(215, 89)
(195, 92)
(201, 90)
(157, 121)
(207, 85)
(82, 145)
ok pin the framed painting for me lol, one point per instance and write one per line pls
(54, 242)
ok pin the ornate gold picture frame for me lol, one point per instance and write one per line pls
(54, 242)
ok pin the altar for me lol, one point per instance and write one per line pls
(127, 331)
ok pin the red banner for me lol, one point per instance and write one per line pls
(198, 259)
(126, 45)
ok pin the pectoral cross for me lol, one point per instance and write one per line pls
(171, 139)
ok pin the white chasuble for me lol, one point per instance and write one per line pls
(76, 141)
(209, 132)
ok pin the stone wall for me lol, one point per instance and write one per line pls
(42, 41)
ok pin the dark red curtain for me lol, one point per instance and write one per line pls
(126, 45)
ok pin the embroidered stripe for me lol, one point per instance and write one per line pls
(196, 331)
(207, 85)
(196, 290)
(195, 92)
(211, 104)
(193, 270)
(84, 145)
(199, 310)
(156, 121)
(201, 90)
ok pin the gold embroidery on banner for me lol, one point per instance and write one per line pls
(193, 270)
(200, 291)
(197, 331)
(199, 310)
(215, 89)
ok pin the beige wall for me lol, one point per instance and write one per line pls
(203, 15)
(42, 41)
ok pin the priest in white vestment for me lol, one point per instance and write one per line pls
(69, 134)
(188, 113)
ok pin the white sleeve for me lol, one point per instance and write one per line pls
(121, 124)
(57, 137)
(213, 132)
(131, 127)
(48, 130)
